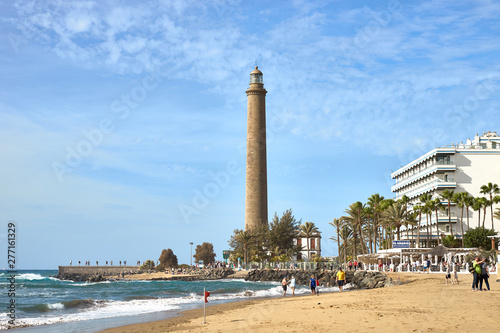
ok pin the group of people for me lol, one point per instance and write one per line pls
(340, 280)
(451, 269)
(480, 274)
(87, 263)
(354, 265)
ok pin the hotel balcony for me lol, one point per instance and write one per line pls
(431, 186)
(435, 168)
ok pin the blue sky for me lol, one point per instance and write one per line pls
(123, 125)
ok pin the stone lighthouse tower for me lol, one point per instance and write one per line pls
(256, 183)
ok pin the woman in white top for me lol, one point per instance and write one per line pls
(292, 285)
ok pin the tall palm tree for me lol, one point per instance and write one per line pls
(411, 220)
(418, 209)
(490, 189)
(434, 205)
(356, 216)
(307, 230)
(460, 199)
(337, 224)
(374, 201)
(468, 202)
(244, 237)
(448, 196)
(478, 205)
(345, 234)
(395, 215)
(425, 209)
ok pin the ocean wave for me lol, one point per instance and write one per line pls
(30, 277)
(85, 284)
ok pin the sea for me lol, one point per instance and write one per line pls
(44, 303)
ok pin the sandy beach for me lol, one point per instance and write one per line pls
(423, 303)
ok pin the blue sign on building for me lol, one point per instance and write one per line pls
(401, 244)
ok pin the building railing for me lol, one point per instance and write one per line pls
(420, 174)
(431, 184)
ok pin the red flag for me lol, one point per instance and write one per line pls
(206, 296)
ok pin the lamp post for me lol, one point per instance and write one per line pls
(191, 243)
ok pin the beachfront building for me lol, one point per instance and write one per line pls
(314, 247)
(463, 167)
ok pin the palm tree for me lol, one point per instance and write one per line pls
(337, 224)
(396, 215)
(374, 201)
(460, 199)
(490, 189)
(418, 209)
(356, 216)
(468, 201)
(434, 205)
(478, 205)
(307, 230)
(244, 238)
(448, 196)
(411, 220)
(425, 209)
(345, 234)
(497, 214)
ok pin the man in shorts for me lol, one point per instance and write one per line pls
(284, 284)
(313, 285)
(340, 279)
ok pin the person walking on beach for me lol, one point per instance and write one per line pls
(292, 285)
(485, 274)
(455, 273)
(448, 273)
(312, 284)
(284, 284)
(340, 279)
(476, 273)
(428, 262)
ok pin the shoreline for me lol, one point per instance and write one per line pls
(422, 303)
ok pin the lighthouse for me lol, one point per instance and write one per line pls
(256, 171)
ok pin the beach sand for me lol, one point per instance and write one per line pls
(423, 303)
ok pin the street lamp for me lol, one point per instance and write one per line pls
(191, 253)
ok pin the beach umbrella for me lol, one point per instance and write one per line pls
(438, 251)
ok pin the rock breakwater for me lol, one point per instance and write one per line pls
(359, 279)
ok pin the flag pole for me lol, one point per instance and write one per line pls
(204, 307)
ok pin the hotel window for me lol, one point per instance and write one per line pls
(313, 244)
(494, 145)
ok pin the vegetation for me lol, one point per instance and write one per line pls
(167, 260)
(478, 237)
(205, 252)
(274, 242)
(451, 241)
(308, 230)
(147, 265)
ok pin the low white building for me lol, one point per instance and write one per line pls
(314, 247)
(463, 167)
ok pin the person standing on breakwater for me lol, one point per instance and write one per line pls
(312, 284)
(284, 284)
(340, 279)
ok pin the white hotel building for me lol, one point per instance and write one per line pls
(463, 167)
